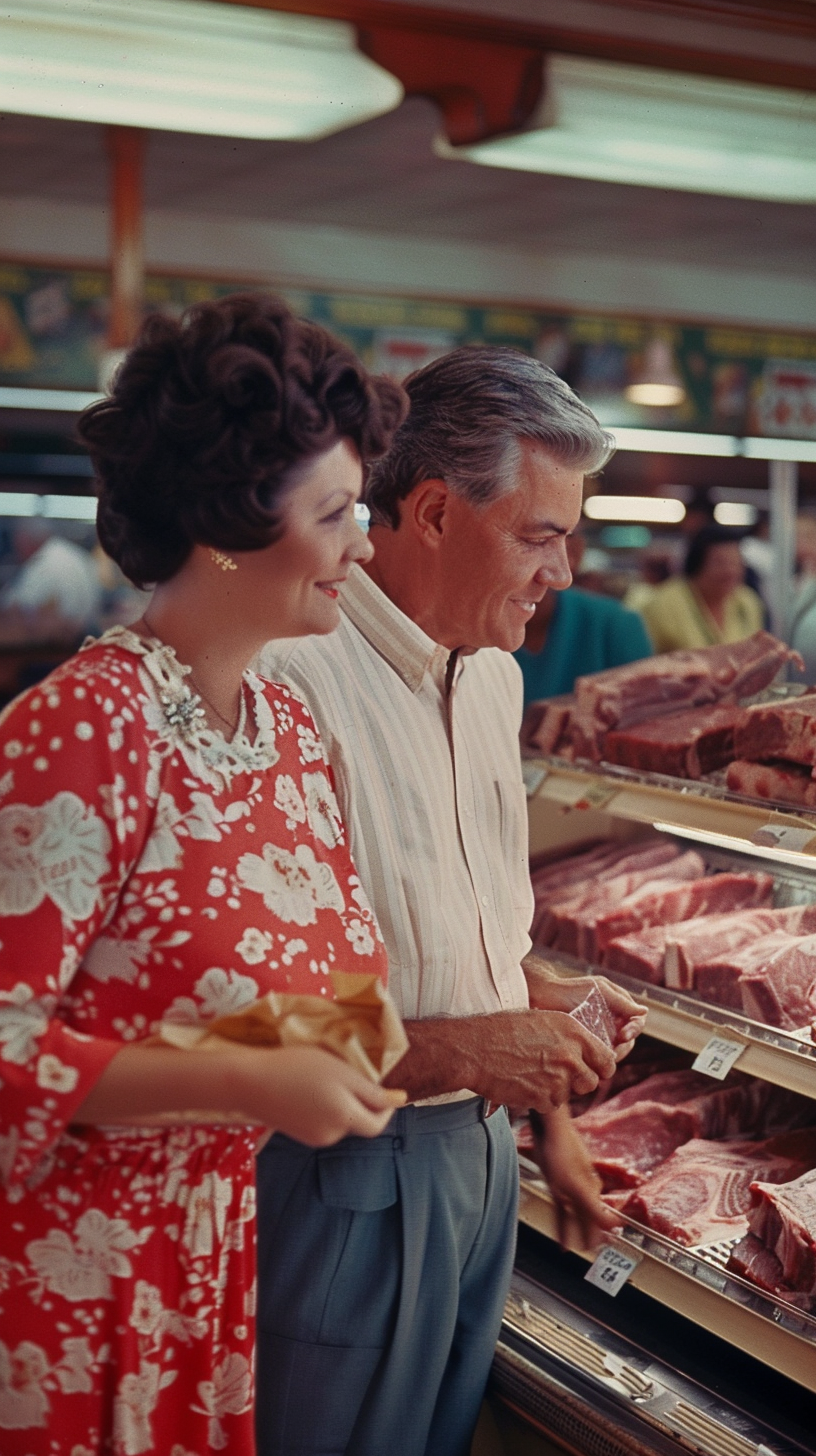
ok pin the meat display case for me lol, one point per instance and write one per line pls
(573, 1364)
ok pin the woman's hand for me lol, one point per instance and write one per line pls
(314, 1097)
(582, 1216)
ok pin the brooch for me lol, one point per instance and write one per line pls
(185, 714)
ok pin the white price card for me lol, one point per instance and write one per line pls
(718, 1057)
(611, 1268)
(787, 836)
(533, 775)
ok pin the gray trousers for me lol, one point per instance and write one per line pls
(384, 1266)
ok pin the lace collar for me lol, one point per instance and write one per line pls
(176, 714)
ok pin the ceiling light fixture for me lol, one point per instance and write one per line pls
(53, 507)
(657, 382)
(184, 65)
(620, 123)
(654, 509)
(735, 513)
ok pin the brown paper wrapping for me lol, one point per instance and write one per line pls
(362, 1025)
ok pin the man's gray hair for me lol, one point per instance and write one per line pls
(471, 412)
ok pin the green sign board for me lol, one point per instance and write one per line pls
(737, 381)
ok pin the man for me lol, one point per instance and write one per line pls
(384, 1266)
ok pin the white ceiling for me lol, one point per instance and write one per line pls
(381, 182)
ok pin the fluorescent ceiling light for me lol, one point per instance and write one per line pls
(184, 65)
(622, 123)
(735, 513)
(671, 442)
(71, 401)
(658, 510)
(54, 507)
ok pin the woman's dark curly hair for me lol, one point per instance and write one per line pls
(207, 417)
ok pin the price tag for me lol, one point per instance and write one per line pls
(533, 775)
(786, 836)
(611, 1269)
(718, 1057)
(595, 795)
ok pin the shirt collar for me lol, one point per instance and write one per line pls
(404, 645)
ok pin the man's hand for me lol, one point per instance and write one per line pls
(549, 992)
(561, 1154)
(521, 1058)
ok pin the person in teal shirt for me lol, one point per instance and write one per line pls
(574, 632)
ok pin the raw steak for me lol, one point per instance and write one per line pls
(752, 1261)
(787, 783)
(719, 979)
(546, 725)
(573, 925)
(782, 991)
(687, 744)
(594, 1015)
(640, 954)
(625, 870)
(658, 905)
(621, 696)
(784, 1220)
(627, 1145)
(701, 1194)
(710, 938)
(779, 730)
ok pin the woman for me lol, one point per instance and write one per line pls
(170, 849)
(710, 603)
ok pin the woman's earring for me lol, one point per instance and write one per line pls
(221, 559)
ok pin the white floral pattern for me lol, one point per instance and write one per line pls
(149, 870)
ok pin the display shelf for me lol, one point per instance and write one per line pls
(696, 1286)
(691, 808)
(685, 1022)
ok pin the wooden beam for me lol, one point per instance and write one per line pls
(126, 146)
(788, 17)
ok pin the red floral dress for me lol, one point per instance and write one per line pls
(149, 870)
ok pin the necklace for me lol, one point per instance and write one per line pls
(235, 724)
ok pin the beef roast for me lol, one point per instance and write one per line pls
(787, 783)
(640, 954)
(654, 686)
(713, 938)
(662, 905)
(784, 1221)
(782, 990)
(702, 1193)
(779, 730)
(686, 745)
(752, 1261)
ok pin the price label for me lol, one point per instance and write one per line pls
(611, 1269)
(786, 836)
(718, 1057)
(533, 775)
(595, 795)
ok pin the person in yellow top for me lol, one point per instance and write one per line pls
(710, 602)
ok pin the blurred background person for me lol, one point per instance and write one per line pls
(802, 628)
(574, 632)
(710, 603)
(56, 593)
(654, 567)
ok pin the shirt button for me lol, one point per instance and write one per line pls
(485, 900)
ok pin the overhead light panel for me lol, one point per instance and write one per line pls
(735, 513)
(184, 65)
(52, 507)
(654, 509)
(621, 123)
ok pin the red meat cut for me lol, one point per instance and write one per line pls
(659, 905)
(686, 745)
(654, 686)
(702, 1194)
(626, 1146)
(784, 1221)
(640, 954)
(752, 1261)
(782, 991)
(626, 868)
(712, 938)
(573, 924)
(788, 783)
(779, 730)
